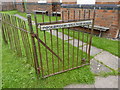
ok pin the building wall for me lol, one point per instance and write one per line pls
(107, 1)
(106, 15)
(69, 1)
(31, 6)
(7, 6)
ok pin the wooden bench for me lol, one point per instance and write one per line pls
(58, 13)
(99, 28)
(40, 12)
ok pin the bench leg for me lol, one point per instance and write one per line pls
(100, 35)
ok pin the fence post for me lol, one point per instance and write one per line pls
(33, 44)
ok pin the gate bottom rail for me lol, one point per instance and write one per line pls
(65, 70)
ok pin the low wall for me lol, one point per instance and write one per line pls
(31, 6)
(106, 15)
(7, 6)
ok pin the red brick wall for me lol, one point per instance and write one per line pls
(31, 8)
(106, 18)
(19, 7)
(7, 6)
(69, 1)
(35, 6)
(107, 2)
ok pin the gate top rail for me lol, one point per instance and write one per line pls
(66, 25)
(61, 21)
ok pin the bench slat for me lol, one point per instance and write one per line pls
(100, 28)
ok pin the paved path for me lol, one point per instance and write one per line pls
(100, 82)
(99, 55)
(109, 60)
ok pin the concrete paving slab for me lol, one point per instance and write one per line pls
(60, 35)
(108, 59)
(97, 67)
(94, 51)
(100, 82)
(108, 82)
(76, 42)
(80, 86)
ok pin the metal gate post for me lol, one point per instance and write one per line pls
(92, 28)
(33, 44)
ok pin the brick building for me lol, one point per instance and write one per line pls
(7, 5)
(107, 15)
(40, 5)
(107, 1)
(107, 11)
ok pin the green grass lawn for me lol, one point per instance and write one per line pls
(102, 43)
(0, 60)
(17, 73)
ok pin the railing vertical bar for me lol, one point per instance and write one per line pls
(17, 36)
(21, 25)
(57, 44)
(52, 49)
(63, 38)
(46, 53)
(11, 33)
(51, 45)
(73, 42)
(28, 42)
(78, 47)
(8, 30)
(87, 37)
(14, 35)
(90, 43)
(3, 34)
(68, 42)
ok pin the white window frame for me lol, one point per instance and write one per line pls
(86, 1)
(60, 1)
(42, 1)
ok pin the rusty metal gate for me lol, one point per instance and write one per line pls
(53, 49)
